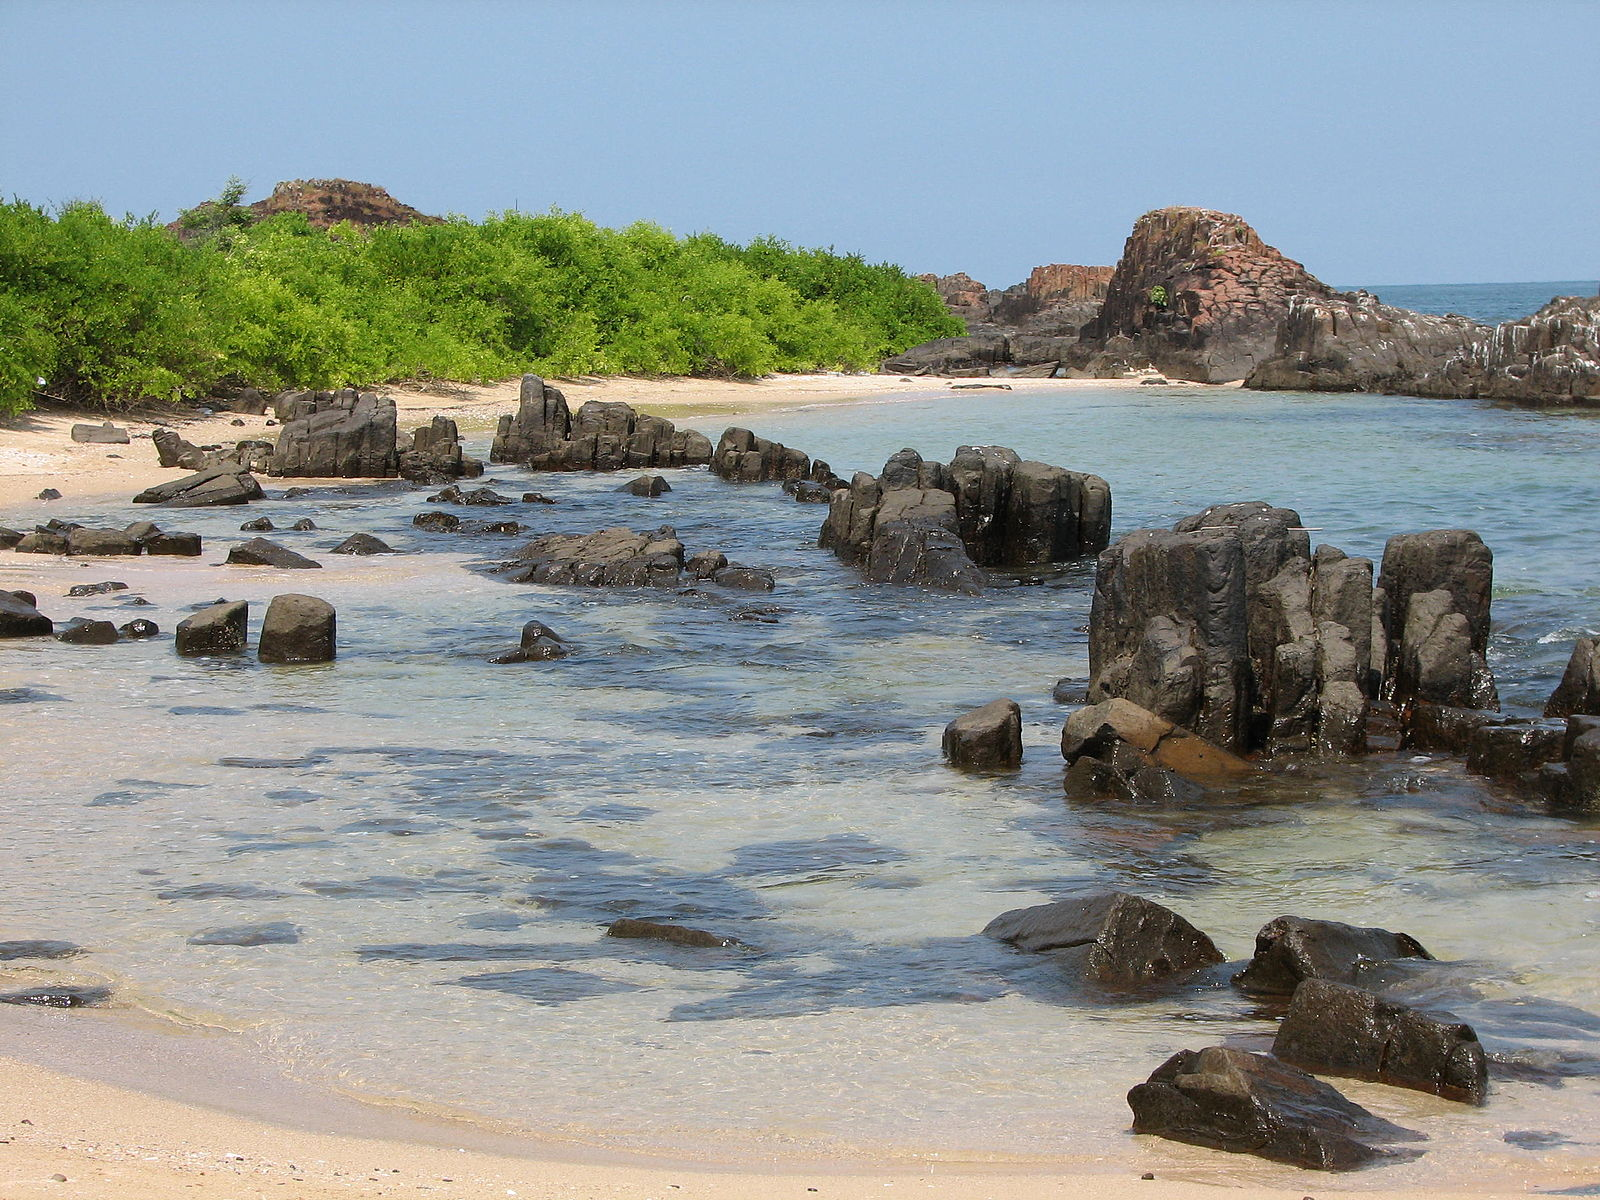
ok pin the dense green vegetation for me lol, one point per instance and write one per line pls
(110, 312)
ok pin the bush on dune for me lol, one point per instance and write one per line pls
(111, 312)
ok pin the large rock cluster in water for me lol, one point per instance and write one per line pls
(545, 435)
(1229, 626)
(941, 524)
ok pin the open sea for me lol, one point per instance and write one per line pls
(429, 846)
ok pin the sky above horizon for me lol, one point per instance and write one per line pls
(1414, 141)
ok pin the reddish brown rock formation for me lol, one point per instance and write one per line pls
(327, 202)
(1069, 282)
(1198, 295)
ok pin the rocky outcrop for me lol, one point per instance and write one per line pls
(608, 558)
(1353, 342)
(987, 738)
(1292, 949)
(298, 629)
(601, 436)
(345, 434)
(141, 537)
(1435, 590)
(1335, 1029)
(1198, 295)
(1114, 939)
(217, 629)
(742, 457)
(1247, 1103)
(435, 455)
(324, 203)
(649, 487)
(207, 488)
(986, 506)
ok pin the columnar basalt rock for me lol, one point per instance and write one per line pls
(345, 434)
(435, 455)
(1436, 587)
(987, 738)
(1229, 626)
(1198, 295)
(218, 629)
(1579, 689)
(298, 629)
(742, 457)
(1003, 513)
(1115, 939)
(545, 435)
(1551, 357)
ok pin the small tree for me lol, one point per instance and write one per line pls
(217, 220)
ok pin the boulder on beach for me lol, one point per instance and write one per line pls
(545, 435)
(101, 543)
(1335, 1029)
(363, 543)
(1291, 949)
(173, 450)
(298, 629)
(19, 616)
(1114, 939)
(105, 434)
(345, 434)
(608, 558)
(213, 486)
(218, 628)
(260, 552)
(82, 631)
(987, 738)
(1245, 1103)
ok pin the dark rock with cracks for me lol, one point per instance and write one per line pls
(987, 738)
(1291, 949)
(105, 434)
(81, 631)
(219, 628)
(211, 487)
(260, 552)
(1247, 1103)
(1579, 689)
(139, 629)
(1114, 939)
(363, 543)
(1436, 588)
(96, 589)
(648, 486)
(1334, 1029)
(545, 435)
(344, 434)
(539, 643)
(608, 558)
(435, 454)
(20, 618)
(298, 629)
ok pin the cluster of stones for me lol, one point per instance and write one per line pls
(622, 558)
(20, 617)
(1229, 626)
(943, 524)
(1337, 1022)
(545, 435)
(742, 457)
(70, 538)
(296, 629)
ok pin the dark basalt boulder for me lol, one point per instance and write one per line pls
(1334, 1029)
(1579, 689)
(48, 493)
(987, 738)
(345, 434)
(105, 434)
(101, 543)
(677, 935)
(363, 543)
(139, 629)
(539, 643)
(303, 525)
(435, 454)
(742, 457)
(1436, 588)
(1514, 750)
(608, 558)
(1291, 949)
(437, 522)
(648, 486)
(745, 579)
(806, 491)
(298, 629)
(1246, 1103)
(172, 450)
(955, 356)
(96, 589)
(483, 496)
(178, 545)
(536, 498)
(259, 552)
(59, 996)
(20, 618)
(1113, 939)
(9, 537)
(81, 631)
(1116, 748)
(218, 628)
(921, 553)
(213, 486)
(545, 435)
(258, 525)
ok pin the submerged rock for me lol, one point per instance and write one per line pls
(1335, 1029)
(1246, 1103)
(81, 631)
(678, 935)
(1292, 949)
(609, 558)
(259, 552)
(539, 643)
(363, 543)
(1115, 939)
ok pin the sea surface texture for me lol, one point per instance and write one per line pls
(1490, 303)
(393, 872)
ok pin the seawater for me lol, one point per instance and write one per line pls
(450, 838)
(1490, 303)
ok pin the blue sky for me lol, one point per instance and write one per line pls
(1378, 143)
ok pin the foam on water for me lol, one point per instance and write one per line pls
(448, 838)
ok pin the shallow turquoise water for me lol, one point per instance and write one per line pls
(450, 837)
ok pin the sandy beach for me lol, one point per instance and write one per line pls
(37, 451)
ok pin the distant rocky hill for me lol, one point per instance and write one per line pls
(1197, 295)
(325, 203)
